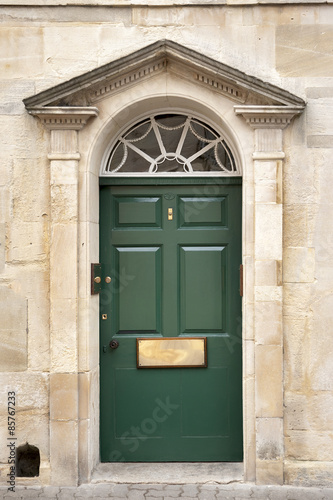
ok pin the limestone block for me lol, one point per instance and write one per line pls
(84, 394)
(304, 50)
(248, 358)
(158, 17)
(4, 204)
(319, 141)
(88, 338)
(309, 445)
(11, 94)
(83, 451)
(300, 177)
(255, 44)
(2, 246)
(296, 353)
(19, 57)
(27, 242)
(93, 190)
(298, 265)
(249, 428)
(69, 13)
(13, 331)
(321, 348)
(268, 293)
(269, 438)
(31, 391)
(39, 335)
(268, 323)
(64, 335)
(268, 231)
(63, 396)
(21, 136)
(268, 363)
(64, 261)
(66, 63)
(249, 218)
(64, 171)
(30, 190)
(94, 416)
(304, 473)
(309, 411)
(269, 472)
(325, 178)
(296, 299)
(268, 272)
(295, 228)
(64, 203)
(6, 167)
(266, 192)
(63, 452)
(318, 116)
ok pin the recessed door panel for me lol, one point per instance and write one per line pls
(203, 211)
(202, 288)
(138, 297)
(137, 212)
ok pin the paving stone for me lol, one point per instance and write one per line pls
(120, 490)
(50, 492)
(175, 487)
(92, 497)
(207, 494)
(163, 493)
(136, 495)
(190, 490)
(97, 490)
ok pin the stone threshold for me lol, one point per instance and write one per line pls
(169, 473)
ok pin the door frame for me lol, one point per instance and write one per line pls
(171, 182)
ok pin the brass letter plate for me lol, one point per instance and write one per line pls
(171, 352)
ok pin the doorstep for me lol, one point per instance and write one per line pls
(169, 473)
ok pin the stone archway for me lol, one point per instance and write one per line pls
(107, 97)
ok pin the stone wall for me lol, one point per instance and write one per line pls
(289, 45)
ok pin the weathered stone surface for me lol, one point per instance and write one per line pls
(268, 362)
(13, 331)
(299, 265)
(304, 50)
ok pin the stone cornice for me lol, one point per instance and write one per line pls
(63, 118)
(268, 117)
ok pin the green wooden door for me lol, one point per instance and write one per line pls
(171, 278)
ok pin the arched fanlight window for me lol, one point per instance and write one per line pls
(170, 143)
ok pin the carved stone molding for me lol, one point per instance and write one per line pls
(268, 117)
(117, 84)
(63, 118)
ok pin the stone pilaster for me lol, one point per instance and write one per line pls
(268, 123)
(64, 124)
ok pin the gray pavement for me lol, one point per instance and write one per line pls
(234, 491)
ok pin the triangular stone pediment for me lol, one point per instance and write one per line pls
(163, 56)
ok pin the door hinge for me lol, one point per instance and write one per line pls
(241, 280)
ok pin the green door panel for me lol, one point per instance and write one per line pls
(171, 278)
(202, 289)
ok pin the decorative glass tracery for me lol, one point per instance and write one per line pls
(170, 143)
